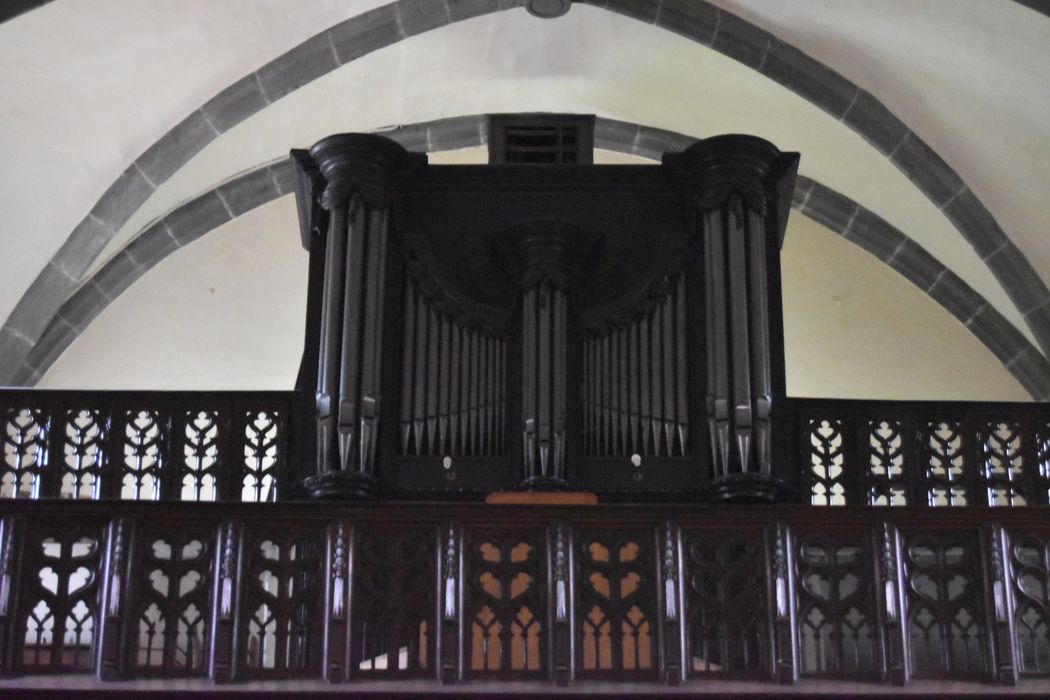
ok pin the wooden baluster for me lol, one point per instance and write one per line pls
(113, 421)
(890, 589)
(560, 602)
(116, 580)
(225, 601)
(171, 452)
(999, 606)
(785, 641)
(450, 605)
(672, 615)
(230, 462)
(336, 614)
(12, 529)
(51, 470)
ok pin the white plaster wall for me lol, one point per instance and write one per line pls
(590, 61)
(969, 76)
(227, 312)
(89, 84)
(856, 329)
(86, 86)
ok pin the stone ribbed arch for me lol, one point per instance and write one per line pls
(252, 189)
(386, 25)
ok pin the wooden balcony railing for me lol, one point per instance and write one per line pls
(670, 593)
(450, 593)
(198, 446)
(895, 453)
(190, 446)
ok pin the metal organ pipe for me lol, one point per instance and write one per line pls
(635, 383)
(739, 381)
(451, 384)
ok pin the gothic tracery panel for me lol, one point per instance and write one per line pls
(1030, 561)
(615, 604)
(886, 480)
(261, 442)
(197, 476)
(280, 607)
(169, 622)
(945, 619)
(24, 441)
(727, 626)
(507, 609)
(823, 443)
(144, 442)
(1002, 463)
(836, 612)
(59, 604)
(947, 473)
(393, 625)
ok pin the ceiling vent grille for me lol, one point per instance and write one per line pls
(541, 139)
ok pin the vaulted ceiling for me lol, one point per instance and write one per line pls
(149, 237)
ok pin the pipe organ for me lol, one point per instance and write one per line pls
(615, 329)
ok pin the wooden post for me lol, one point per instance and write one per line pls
(11, 531)
(116, 574)
(450, 603)
(785, 640)
(671, 595)
(893, 610)
(337, 600)
(223, 667)
(999, 606)
(560, 604)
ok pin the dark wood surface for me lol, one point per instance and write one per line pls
(669, 593)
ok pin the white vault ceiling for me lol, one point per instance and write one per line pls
(89, 85)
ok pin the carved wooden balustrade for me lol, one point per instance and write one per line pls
(145, 445)
(894, 453)
(887, 590)
(204, 446)
(666, 594)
